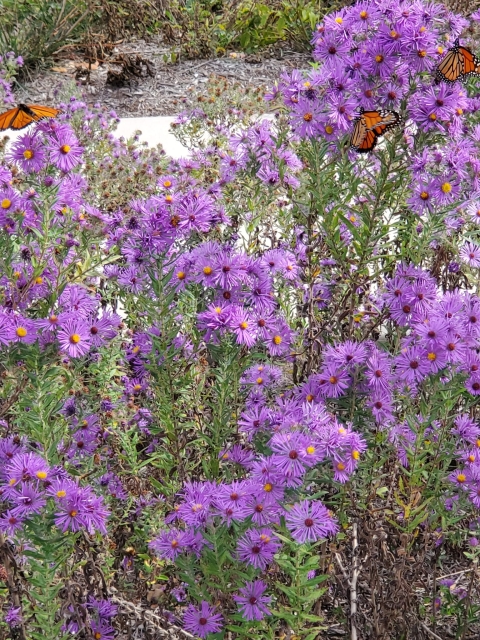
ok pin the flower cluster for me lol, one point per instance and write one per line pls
(29, 483)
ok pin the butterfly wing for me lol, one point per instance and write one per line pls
(369, 125)
(362, 140)
(42, 112)
(471, 64)
(359, 132)
(451, 67)
(368, 143)
(388, 120)
(458, 63)
(23, 115)
(7, 118)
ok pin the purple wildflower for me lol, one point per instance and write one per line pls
(202, 621)
(251, 602)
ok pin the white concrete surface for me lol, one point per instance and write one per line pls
(155, 130)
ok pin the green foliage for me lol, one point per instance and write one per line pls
(211, 27)
(36, 29)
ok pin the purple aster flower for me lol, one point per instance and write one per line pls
(194, 212)
(333, 381)
(257, 547)
(288, 449)
(22, 329)
(378, 372)
(102, 630)
(243, 325)
(412, 365)
(202, 621)
(28, 152)
(309, 521)
(13, 617)
(168, 544)
(251, 602)
(10, 523)
(28, 501)
(470, 253)
(74, 337)
(65, 150)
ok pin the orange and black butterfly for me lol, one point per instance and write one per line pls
(25, 114)
(370, 125)
(458, 63)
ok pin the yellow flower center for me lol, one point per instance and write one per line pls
(181, 275)
(207, 270)
(267, 487)
(21, 332)
(39, 280)
(446, 187)
(28, 154)
(12, 482)
(329, 129)
(339, 20)
(75, 338)
(308, 117)
(378, 58)
(309, 398)
(432, 116)
(461, 477)
(98, 635)
(356, 454)
(137, 387)
(244, 325)
(440, 50)
(340, 466)
(459, 112)
(393, 33)
(136, 349)
(41, 475)
(277, 340)
(310, 449)
(73, 513)
(432, 356)
(167, 183)
(422, 53)
(424, 195)
(363, 15)
(61, 494)
(218, 309)
(65, 148)
(259, 380)
(16, 274)
(307, 84)
(168, 198)
(6, 203)
(471, 458)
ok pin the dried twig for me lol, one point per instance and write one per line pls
(353, 584)
(154, 620)
(430, 632)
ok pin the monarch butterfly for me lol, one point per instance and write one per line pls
(458, 63)
(370, 125)
(24, 114)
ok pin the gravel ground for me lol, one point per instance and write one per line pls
(171, 87)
